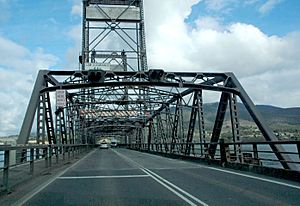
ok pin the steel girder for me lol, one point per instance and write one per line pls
(31, 109)
(192, 122)
(164, 92)
(114, 2)
(175, 125)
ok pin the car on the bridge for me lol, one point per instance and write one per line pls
(103, 145)
(113, 143)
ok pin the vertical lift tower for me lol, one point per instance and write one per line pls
(113, 39)
(113, 35)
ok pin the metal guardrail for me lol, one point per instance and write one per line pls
(14, 156)
(252, 153)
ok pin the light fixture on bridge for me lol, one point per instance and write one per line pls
(96, 76)
(156, 75)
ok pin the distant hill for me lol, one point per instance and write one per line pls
(285, 122)
(271, 114)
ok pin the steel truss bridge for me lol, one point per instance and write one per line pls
(114, 95)
(151, 112)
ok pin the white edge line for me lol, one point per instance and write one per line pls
(249, 176)
(102, 177)
(24, 199)
(257, 178)
(164, 182)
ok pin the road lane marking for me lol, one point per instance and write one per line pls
(176, 187)
(170, 186)
(102, 177)
(175, 168)
(27, 197)
(254, 177)
(244, 175)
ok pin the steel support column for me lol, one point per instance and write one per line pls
(235, 126)
(174, 134)
(150, 128)
(202, 134)
(190, 134)
(31, 109)
(41, 120)
(218, 124)
(49, 120)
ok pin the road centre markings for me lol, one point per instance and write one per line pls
(170, 186)
(103, 177)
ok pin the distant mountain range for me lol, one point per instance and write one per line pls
(285, 122)
(272, 115)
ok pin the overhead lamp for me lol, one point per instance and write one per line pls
(156, 75)
(96, 76)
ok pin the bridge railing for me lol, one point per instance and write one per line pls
(32, 158)
(251, 153)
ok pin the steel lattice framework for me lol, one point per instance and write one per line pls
(113, 35)
(114, 93)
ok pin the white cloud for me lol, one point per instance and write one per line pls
(269, 5)
(166, 32)
(77, 10)
(260, 61)
(73, 52)
(277, 88)
(208, 22)
(14, 94)
(18, 70)
(250, 2)
(212, 46)
(18, 58)
(219, 5)
(243, 49)
(76, 7)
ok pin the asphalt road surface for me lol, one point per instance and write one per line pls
(125, 177)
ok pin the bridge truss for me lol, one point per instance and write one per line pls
(114, 94)
(157, 117)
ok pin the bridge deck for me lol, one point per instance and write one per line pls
(125, 177)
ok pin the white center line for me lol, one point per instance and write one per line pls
(178, 188)
(102, 177)
(170, 186)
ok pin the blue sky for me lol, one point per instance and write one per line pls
(40, 24)
(258, 40)
(45, 24)
(280, 20)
